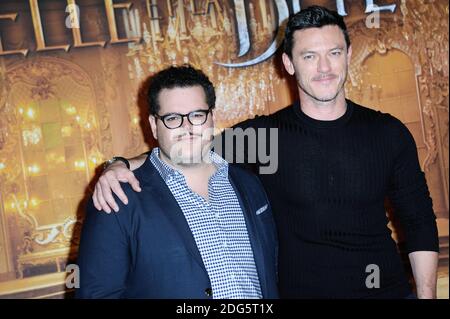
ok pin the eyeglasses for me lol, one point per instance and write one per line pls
(175, 120)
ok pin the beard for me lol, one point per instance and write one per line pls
(325, 99)
(188, 149)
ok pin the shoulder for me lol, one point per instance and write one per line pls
(246, 178)
(240, 172)
(126, 212)
(285, 112)
(146, 174)
(101, 223)
(129, 192)
(270, 120)
(384, 125)
(368, 115)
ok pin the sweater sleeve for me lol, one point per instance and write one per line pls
(409, 194)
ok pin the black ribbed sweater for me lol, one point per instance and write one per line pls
(328, 198)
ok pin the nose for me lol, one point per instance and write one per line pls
(323, 65)
(186, 124)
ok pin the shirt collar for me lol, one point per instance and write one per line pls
(168, 172)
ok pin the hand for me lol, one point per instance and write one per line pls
(115, 173)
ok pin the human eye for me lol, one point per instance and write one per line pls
(171, 118)
(308, 57)
(336, 52)
(197, 114)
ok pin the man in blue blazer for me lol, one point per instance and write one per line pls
(199, 228)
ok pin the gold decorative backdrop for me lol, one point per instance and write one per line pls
(63, 112)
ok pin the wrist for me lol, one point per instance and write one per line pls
(116, 160)
(426, 294)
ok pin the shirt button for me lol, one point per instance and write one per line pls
(208, 292)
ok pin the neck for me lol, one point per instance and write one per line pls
(196, 175)
(323, 111)
(202, 169)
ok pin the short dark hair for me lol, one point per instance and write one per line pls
(178, 77)
(312, 17)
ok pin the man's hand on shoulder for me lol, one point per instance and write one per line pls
(110, 180)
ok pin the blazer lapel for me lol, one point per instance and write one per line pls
(250, 221)
(167, 202)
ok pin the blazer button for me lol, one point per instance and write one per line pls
(208, 292)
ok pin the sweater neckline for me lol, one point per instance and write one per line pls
(341, 121)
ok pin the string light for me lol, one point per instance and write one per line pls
(71, 110)
(31, 113)
(66, 131)
(34, 202)
(80, 164)
(34, 169)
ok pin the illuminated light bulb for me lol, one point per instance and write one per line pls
(2, 166)
(34, 169)
(34, 202)
(31, 113)
(66, 131)
(71, 110)
(80, 164)
(77, 118)
(20, 110)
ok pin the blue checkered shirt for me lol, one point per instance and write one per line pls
(219, 230)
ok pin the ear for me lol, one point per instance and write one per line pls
(288, 64)
(152, 120)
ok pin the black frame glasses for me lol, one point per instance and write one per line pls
(175, 120)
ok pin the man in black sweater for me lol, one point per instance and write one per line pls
(338, 162)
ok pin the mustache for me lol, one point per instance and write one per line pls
(186, 134)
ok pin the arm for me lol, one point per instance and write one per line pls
(412, 203)
(103, 257)
(424, 266)
(118, 172)
(109, 180)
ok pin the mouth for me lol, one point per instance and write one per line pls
(325, 79)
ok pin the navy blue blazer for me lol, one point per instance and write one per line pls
(147, 250)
